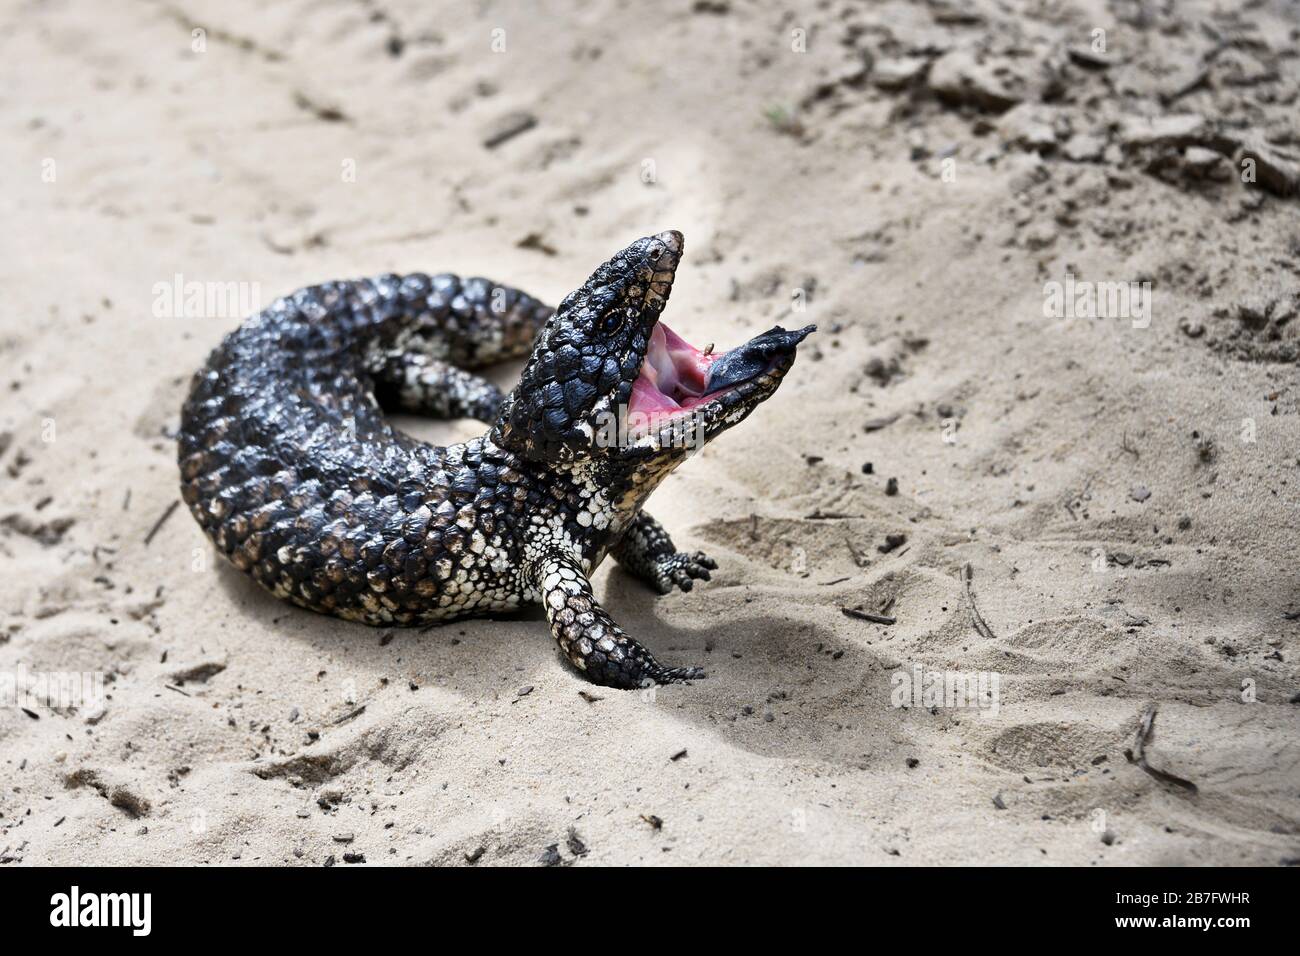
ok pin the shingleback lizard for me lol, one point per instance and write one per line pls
(290, 467)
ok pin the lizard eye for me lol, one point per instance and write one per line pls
(613, 321)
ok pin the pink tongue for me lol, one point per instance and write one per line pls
(646, 397)
(690, 363)
(672, 367)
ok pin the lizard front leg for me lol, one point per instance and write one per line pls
(646, 551)
(588, 636)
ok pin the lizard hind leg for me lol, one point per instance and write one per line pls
(426, 386)
(588, 636)
(445, 326)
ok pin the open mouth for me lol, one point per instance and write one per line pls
(676, 378)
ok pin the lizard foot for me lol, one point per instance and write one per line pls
(677, 675)
(681, 569)
(630, 666)
(588, 636)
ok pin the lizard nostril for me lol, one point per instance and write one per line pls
(655, 252)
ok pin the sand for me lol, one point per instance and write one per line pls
(1124, 489)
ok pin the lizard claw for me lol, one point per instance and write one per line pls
(682, 569)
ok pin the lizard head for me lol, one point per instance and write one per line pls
(608, 379)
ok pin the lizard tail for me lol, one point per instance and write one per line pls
(468, 322)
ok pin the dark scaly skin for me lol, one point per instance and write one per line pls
(288, 464)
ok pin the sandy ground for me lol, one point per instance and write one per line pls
(911, 175)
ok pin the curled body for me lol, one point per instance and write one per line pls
(290, 466)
